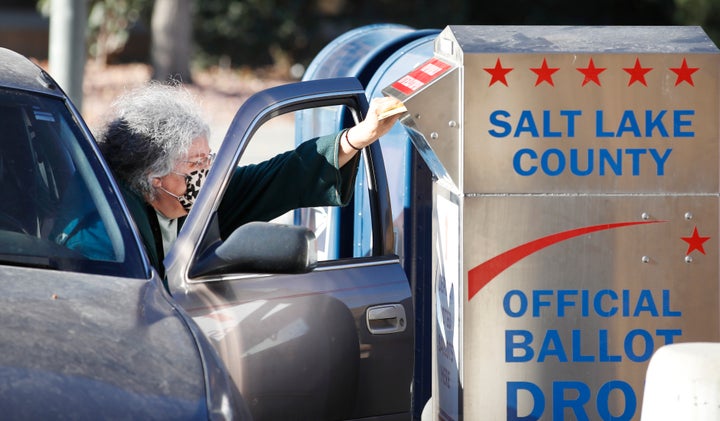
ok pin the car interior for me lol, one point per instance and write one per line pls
(55, 212)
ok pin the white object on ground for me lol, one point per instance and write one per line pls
(683, 383)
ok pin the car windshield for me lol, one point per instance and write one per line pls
(59, 210)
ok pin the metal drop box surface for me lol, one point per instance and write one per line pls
(575, 216)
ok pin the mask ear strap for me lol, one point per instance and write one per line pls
(166, 191)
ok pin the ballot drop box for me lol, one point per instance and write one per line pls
(575, 212)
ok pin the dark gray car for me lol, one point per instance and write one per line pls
(88, 332)
(266, 319)
(302, 340)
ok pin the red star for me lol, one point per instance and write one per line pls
(498, 73)
(637, 73)
(544, 73)
(684, 73)
(695, 242)
(591, 73)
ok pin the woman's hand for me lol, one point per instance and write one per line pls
(369, 130)
(372, 128)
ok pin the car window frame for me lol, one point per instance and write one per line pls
(134, 263)
(257, 110)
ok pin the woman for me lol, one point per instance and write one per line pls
(157, 147)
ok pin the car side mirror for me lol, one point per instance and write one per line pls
(260, 247)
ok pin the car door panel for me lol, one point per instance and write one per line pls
(300, 344)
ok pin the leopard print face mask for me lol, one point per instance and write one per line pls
(193, 182)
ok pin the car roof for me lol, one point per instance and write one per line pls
(17, 71)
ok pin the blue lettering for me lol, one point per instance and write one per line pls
(569, 399)
(635, 153)
(577, 355)
(523, 303)
(570, 114)
(660, 160)
(526, 123)
(668, 334)
(538, 398)
(651, 123)
(599, 132)
(538, 302)
(666, 312)
(554, 162)
(603, 303)
(574, 163)
(625, 303)
(552, 345)
(585, 299)
(518, 157)
(603, 398)
(606, 159)
(526, 352)
(577, 405)
(628, 123)
(597, 304)
(649, 345)
(679, 123)
(563, 302)
(605, 357)
(645, 303)
(546, 126)
(496, 121)
(559, 166)
(638, 346)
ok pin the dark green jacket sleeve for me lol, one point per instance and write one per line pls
(305, 177)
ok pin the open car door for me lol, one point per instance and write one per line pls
(302, 338)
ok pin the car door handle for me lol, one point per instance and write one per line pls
(386, 318)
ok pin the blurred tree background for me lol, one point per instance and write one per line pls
(265, 32)
(279, 33)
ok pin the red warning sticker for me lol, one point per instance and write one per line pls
(419, 77)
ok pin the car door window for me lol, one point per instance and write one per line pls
(353, 230)
(280, 134)
(360, 229)
(58, 211)
(272, 138)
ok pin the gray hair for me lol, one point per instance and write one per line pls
(152, 129)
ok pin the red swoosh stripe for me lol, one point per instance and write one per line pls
(481, 275)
